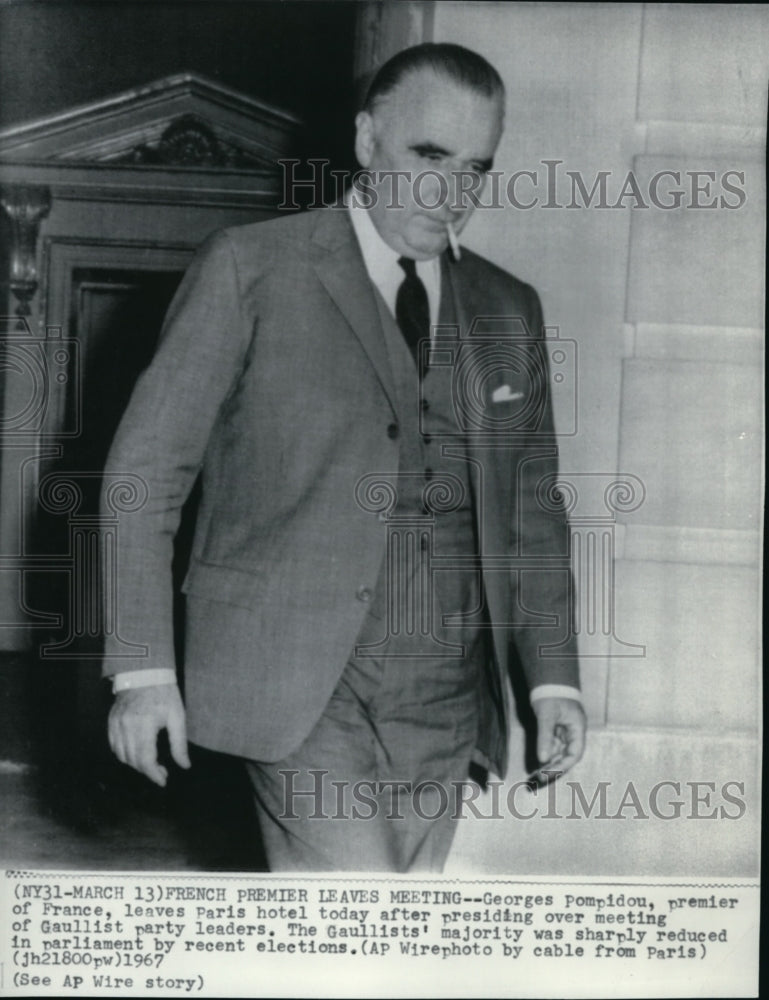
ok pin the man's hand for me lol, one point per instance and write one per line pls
(136, 718)
(561, 726)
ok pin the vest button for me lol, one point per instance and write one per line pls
(424, 405)
(427, 438)
(364, 594)
(428, 473)
(392, 431)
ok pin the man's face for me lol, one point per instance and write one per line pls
(435, 130)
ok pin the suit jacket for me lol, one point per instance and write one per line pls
(272, 379)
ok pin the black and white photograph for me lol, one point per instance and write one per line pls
(381, 497)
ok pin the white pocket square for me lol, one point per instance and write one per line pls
(504, 394)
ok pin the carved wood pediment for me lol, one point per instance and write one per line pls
(183, 120)
(183, 140)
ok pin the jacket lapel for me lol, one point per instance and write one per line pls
(462, 302)
(487, 452)
(338, 263)
(469, 299)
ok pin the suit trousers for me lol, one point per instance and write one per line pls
(377, 784)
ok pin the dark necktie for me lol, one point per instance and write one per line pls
(412, 310)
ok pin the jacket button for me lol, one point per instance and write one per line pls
(364, 594)
(392, 431)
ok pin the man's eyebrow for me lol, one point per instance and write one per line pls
(427, 148)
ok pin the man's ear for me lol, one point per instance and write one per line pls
(364, 138)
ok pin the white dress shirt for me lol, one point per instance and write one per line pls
(383, 268)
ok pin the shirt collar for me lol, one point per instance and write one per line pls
(382, 261)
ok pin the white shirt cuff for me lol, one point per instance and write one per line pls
(163, 675)
(555, 691)
(131, 679)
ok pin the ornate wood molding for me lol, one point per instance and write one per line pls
(179, 140)
(110, 130)
(190, 142)
(26, 206)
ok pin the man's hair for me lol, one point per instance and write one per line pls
(454, 62)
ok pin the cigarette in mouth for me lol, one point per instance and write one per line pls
(454, 242)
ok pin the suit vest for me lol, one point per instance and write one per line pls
(428, 595)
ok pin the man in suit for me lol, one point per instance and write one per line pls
(373, 550)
